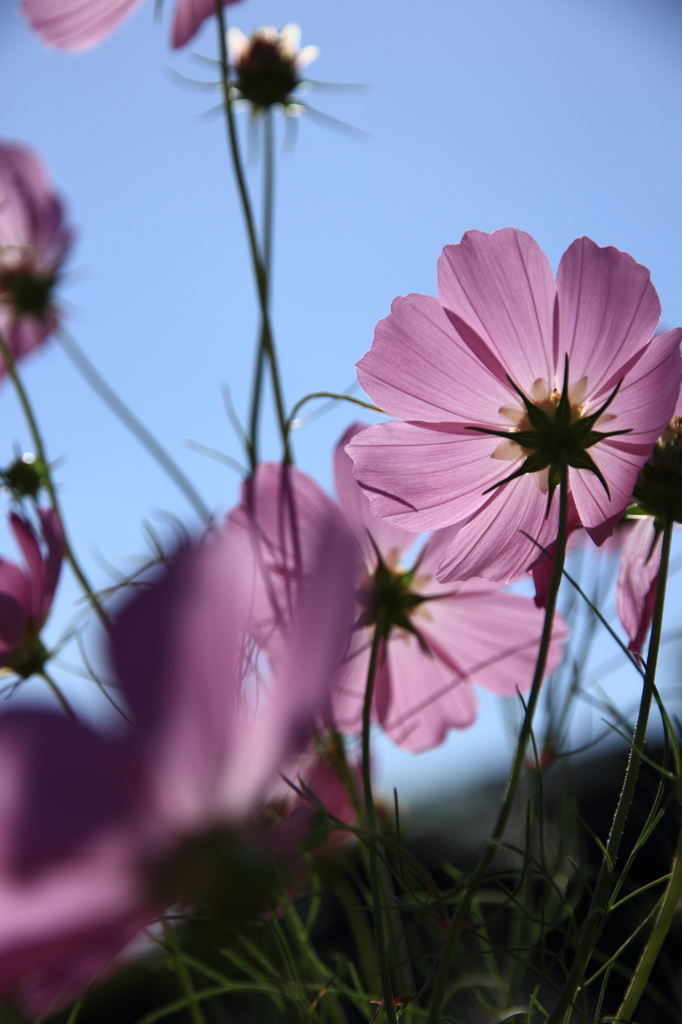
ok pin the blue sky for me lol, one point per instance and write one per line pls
(561, 117)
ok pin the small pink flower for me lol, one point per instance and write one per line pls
(444, 638)
(26, 594)
(92, 827)
(34, 241)
(498, 376)
(79, 24)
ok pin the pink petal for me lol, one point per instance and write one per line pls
(76, 24)
(54, 538)
(418, 368)
(644, 404)
(544, 567)
(500, 286)
(637, 578)
(391, 542)
(427, 697)
(493, 542)
(608, 310)
(420, 478)
(491, 637)
(305, 677)
(189, 16)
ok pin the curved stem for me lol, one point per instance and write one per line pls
(56, 690)
(130, 420)
(334, 396)
(599, 904)
(661, 927)
(371, 820)
(455, 927)
(40, 452)
(259, 267)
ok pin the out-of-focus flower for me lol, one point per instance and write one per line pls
(98, 836)
(437, 641)
(34, 241)
(659, 496)
(26, 594)
(268, 65)
(499, 379)
(79, 24)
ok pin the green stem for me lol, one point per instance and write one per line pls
(658, 934)
(455, 927)
(56, 690)
(371, 819)
(40, 452)
(599, 903)
(195, 1010)
(259, 267)
(130, 420)
(333, 396)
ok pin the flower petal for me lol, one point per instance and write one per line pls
(637, 577)
(76, 24)
(493, 542)
(421, 478)
(418, 368)
(608, 311)
(501, 286)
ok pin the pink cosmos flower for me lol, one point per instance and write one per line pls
(79, 24)
(442, 639)
(92, 827)
(498, 376)
(34, 241)
(26, 594)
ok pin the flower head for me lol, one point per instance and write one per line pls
(500, 381)
(268, 65)
(98, 835)
(34, 241)
(74, 26)
(26, 594)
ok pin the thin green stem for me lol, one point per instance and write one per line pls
(130, 420)
(371, 819)
(259, 267)
(333, 396)
(455, 927)
(56, 690)
(602, 892)
(195, 1010)
(653, 947)
(40, 452)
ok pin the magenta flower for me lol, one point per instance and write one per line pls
(34, 241)
(79, 24)
(26, 594)
(498, 377)
(442, 640)
(93, 830)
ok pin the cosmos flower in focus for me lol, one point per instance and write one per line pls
(79, 24)
(34, 242)
(501, 377)
(99, 835)
(26, 594)
(268, 66)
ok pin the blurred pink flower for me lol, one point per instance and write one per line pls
(26, 594)
(34, 241)
(442, 639)
(90, 826)
(496, 377)
(79, 24)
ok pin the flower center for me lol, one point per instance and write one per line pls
(552, 431)
(266, 75)
(659, 487)
(26, 292)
